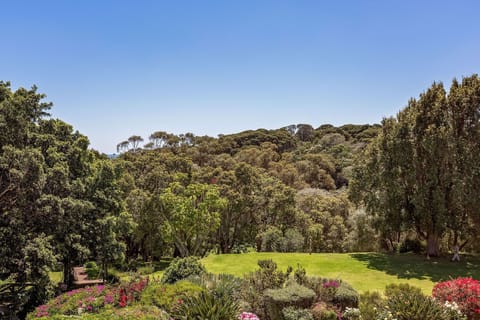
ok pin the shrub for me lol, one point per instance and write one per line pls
(401, 289)
(465, 292)
(206, 306)
(352, 314)
(346, 296)
(314, 283)
(139, 312)
(293, 241)
(248, 316)
(270, 240)
(168, 296)
(292, 313)
(408, 303)
(239, 248)
(369, 303)
(218, 284)
(91, 300)
(92, 269)
(292, 295)
(182, 268)
(321, 311)
(255, 284)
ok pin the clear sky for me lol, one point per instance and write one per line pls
(118, 68)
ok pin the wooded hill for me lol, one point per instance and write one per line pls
(284, 189)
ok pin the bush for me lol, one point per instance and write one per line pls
(291, 313)
(206, 306)
(465, 292)
(402, 289)
(129, 313)
(182, 268)
(168, 296)
(293, 241)
(420, 307)
(255, 284)
(218, 284)
(292, 295)
(352, 314)
(92, 269)
(321, 311)
(369, 303)
(346, 296)
(91, 300)
(239, 248)
(270, 240)
(408, 303)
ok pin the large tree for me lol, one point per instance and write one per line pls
(190, 216)
(422, 172)
(54, 193)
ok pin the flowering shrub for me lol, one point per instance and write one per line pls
(91, 300)
(248, 316)
(464, 292)
(351, 314)
(331, 284)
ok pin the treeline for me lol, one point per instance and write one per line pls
(273, 190)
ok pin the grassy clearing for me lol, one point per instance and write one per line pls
(365, 271)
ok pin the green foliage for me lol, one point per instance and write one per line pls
(93, 271)
(271, 240)
(370, 302)
(219, 285)
(346, 296)
(182, 208)
(206, 306)
(411, 245)
(292, 313)
(256, 283)
(181, 268)
(292, 295)
(169, 296)
(408, 303)
(421, 172)
(352, 314)
(402, 289)
(322, 311)
(140, 312)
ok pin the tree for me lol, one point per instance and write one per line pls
(191, 216)
(135, 142)
(422, 173)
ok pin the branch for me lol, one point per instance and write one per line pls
(463, 245)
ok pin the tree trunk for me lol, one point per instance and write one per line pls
(433, 245)
(67, 273)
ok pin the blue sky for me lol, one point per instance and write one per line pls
(118, 68)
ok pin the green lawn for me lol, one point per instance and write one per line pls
(365, 271)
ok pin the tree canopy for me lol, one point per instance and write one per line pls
(422, 172)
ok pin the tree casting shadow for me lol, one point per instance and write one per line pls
(411, 266)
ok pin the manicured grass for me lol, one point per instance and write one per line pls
(364, 271)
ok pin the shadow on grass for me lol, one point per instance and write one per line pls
(411, 266)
